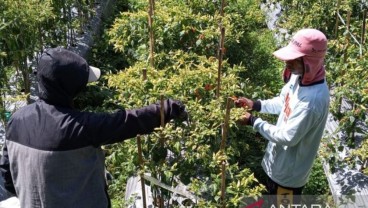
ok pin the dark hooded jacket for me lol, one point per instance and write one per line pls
(52, 157)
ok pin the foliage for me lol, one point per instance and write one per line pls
(362, 156)
(19, 32)
(303, 14)
(186, 47)
(317, 183)
(26, 28)
(194, 148)
(121, 167)
(3, 88)
(193, 26)
(102, 55)
(187, 39)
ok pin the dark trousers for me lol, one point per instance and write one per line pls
(281, 195)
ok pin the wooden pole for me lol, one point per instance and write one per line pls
(345, 55)
(141, 163)
(364, 26)
(222, 8)
(162, 139)
(220, 57)
(220, 50)
(226, 123)
(140, 156)
(162, 111)
(144, 74)
(151, 32)
(225, 127)
(337, 17)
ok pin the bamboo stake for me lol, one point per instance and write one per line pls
(345, 56)
(347, 36)
(337, 17)
(364, 26)
(141, 163)
(222, 8)
(162, 111)
(353, 126)
(220, 50)
(158, 198)
(151, 34)
(153, 7)
(226, 123)
(220, 57)
(144, 74)
(162, 139)
(140, 156)
(352, 133)
(225, 127)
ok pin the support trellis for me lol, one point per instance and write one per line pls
(141, 174)
(140, 157)
(225, 127)
(151, 33)
(364, 26)
(220, 57)
(337, 17)
(221, 50)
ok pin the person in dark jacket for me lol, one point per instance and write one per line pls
(52, 155)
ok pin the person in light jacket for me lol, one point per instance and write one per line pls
(52, 155)
(302, 108)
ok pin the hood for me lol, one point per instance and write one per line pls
(61, 74)
(314, 70)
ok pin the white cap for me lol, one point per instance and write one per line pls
(94, 74)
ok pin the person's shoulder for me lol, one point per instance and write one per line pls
(22, 111)
(24, 108)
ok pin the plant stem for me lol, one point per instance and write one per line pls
(144, 74)
(140, 157)
(220, 57)
(337, 18)
(364, 26)
(151, 34)
(225, 127)
(220, 50)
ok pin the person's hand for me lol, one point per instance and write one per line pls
(175, 109)
(244, 119)
(244, 102)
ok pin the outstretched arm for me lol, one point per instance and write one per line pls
(124, 124)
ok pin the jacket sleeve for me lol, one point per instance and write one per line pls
(5, 171)
(298, 124)
(108, 128)
(274, 105)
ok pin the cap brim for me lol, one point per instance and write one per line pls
(287, 53)
(94, 74)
